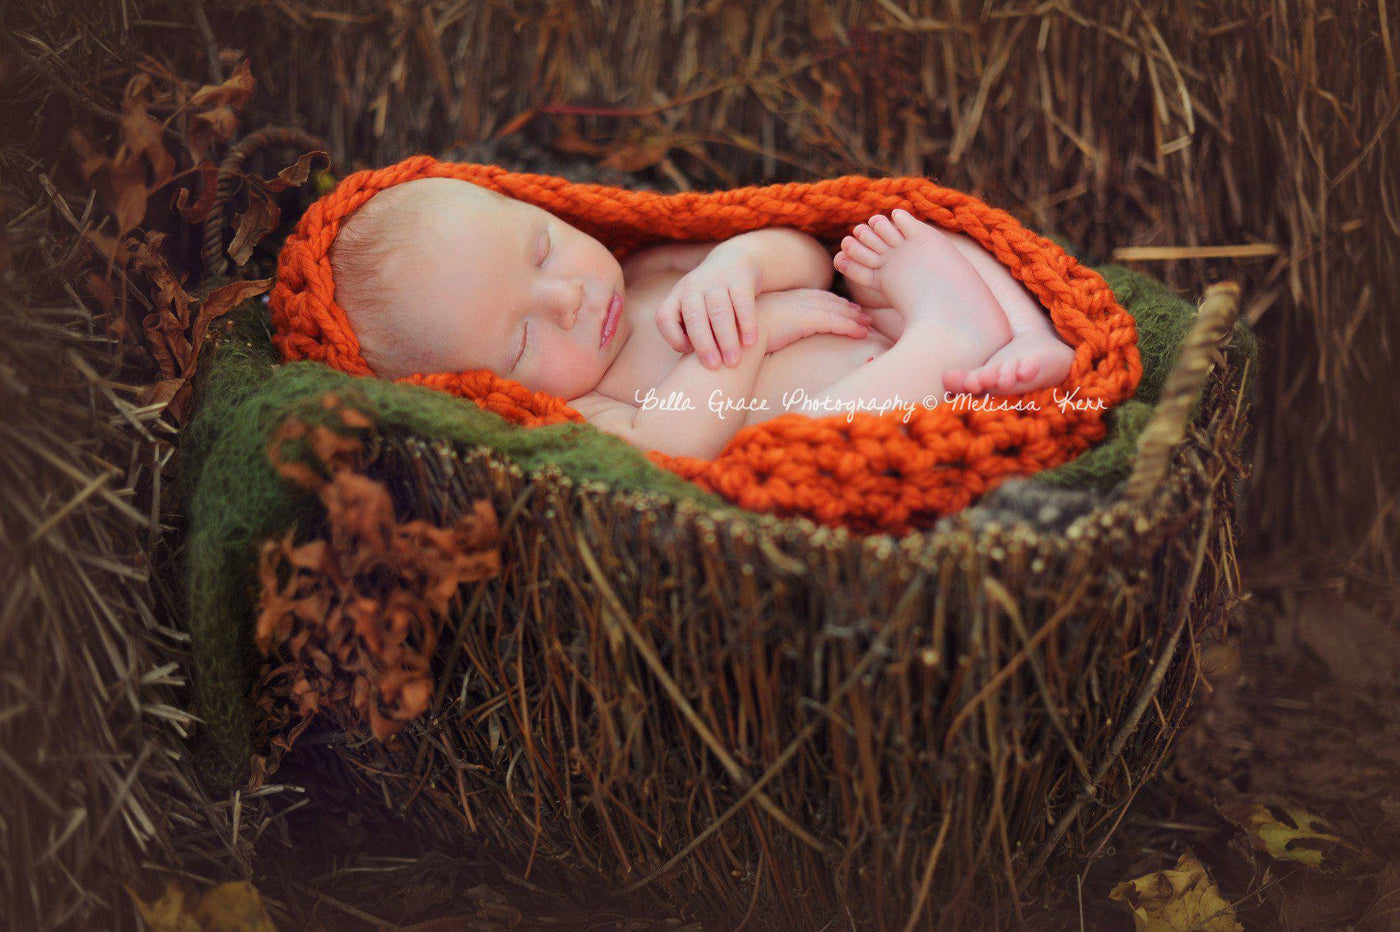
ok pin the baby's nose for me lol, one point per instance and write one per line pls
(568, 304)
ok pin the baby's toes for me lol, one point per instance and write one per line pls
(868, 238)
(1007, 376)
(1028, 369)
(955, 381)
(854, 271)
(861, 253)
(887, 230)
(979, 380)
(910, 226)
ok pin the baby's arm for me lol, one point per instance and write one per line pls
(699, 432)
(786, 258)
(665, 257)
(711, 309)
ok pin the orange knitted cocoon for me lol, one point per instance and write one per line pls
(872, 473)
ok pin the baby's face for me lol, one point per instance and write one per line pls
(495, 283)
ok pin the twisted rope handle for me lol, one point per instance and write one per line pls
(215, 259)
(1214, 322)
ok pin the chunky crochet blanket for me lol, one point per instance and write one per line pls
(868, 472)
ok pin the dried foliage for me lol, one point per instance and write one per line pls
(350, 621)
(140, 183)
(94, 778)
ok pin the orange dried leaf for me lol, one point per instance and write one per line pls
(234, 92)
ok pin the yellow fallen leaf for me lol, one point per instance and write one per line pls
(1288, 834)
(168, 913)
(233, 907)
(1182, 899)
(229, 907)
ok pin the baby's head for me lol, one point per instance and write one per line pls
(442, 275)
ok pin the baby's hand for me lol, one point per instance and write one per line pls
(702, 309)
(789, 316)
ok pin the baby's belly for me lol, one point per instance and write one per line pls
(812, 364)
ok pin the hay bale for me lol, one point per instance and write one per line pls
(91, 716)
(95, 782)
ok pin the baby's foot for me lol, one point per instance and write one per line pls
(867, 255)
(901, 262)
(1023, 365)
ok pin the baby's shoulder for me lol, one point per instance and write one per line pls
(595, 403)
(674, 258)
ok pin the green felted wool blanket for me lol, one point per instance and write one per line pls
(236, 500)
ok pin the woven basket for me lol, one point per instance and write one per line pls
(797, 725)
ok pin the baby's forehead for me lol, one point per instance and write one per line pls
(439, 197)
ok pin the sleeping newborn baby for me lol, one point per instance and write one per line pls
(681, 345)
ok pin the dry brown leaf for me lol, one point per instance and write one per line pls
(215, 117)
(142, 144)
(176, 344)
(220, 301)
(229, 907)
(234, 92)
(296, 174)
(1182, 899)
(260, 219)
(233, 907)
(208, 188)
(639, 155)
(1286, 833)
(350, 622)
(168, 913)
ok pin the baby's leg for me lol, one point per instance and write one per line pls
(1033, 357)
(950, 318)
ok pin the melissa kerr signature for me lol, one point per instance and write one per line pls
(799, 399)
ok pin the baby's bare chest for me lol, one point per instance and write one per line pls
(809, 365)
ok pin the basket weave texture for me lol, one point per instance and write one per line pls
(792, 723)
(796, 724)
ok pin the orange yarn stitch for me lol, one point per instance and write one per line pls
(873, 473)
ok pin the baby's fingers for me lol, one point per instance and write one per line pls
(747, 315)
(855, 326)
(697, 327)
(668, 322)
(720, 307)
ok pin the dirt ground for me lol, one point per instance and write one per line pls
(1286, 788)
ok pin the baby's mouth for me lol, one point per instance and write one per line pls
(610, 319)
